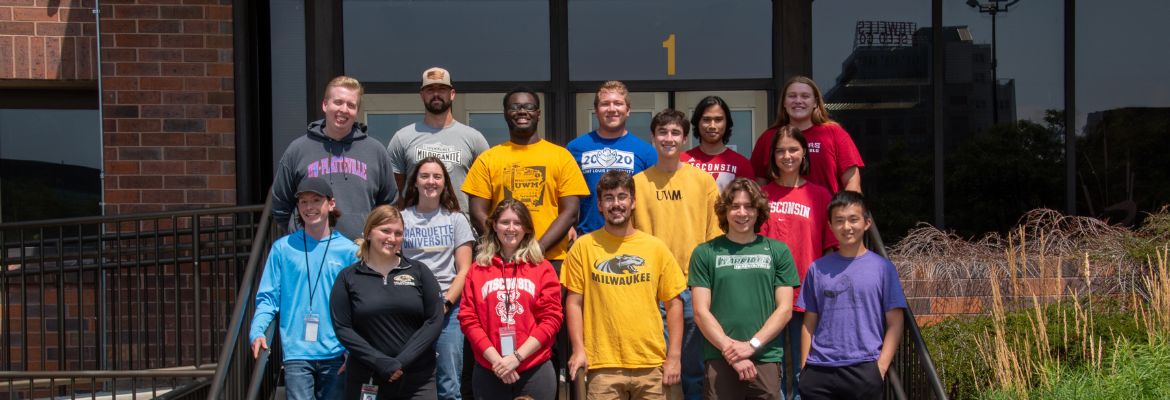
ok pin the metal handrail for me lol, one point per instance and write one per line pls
(110, 374)
(915, 334)
(243, 297)
(258, 370)
(128, 217)
(101, 266)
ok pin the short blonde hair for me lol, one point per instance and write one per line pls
(348, 83)
(611, 86)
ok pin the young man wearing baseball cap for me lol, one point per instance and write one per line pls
(296, 283)
(438, 135)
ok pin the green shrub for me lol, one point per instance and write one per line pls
(1132, 371)
(961, 363)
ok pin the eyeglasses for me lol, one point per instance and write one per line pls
(523, 106)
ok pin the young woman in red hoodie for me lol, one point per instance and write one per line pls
(511, 309)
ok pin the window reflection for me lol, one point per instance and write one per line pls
(1123, 109)
(713, 39)
(50, 164)
(872, 62)
(1003, 159)
(477, 40)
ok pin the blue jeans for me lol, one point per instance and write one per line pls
(692, 349)
(790, 377)
(314, 379)
(449, 364)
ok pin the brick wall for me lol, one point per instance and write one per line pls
(168, 115)
(43, 39)
(934, 299)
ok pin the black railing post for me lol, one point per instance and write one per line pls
(197, 251)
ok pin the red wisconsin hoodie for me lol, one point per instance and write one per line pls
(528, 295)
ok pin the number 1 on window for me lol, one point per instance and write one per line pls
(669, 45)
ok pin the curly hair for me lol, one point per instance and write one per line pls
(757, 197)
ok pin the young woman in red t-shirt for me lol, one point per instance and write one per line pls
(511, 309)
(834, 160)
(798, 217)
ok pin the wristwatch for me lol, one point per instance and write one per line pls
(755, 343)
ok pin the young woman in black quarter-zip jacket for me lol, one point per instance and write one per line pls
(387, 311)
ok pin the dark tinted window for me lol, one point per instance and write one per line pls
(50, 164)
(477, 40)
(713, 39)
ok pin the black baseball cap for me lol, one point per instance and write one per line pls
(315, 185)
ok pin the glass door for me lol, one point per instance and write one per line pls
(387, 113)
(749, 111)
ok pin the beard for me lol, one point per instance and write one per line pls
(617, 221)
(441, 108)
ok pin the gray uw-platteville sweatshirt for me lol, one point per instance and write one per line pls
(357, 168)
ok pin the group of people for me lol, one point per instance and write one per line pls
(648, 270)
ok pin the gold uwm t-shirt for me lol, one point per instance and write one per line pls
(677, 207)
(538, 175)
(622, 280)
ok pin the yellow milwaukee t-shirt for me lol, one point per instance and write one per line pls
(538, 175)
(622, 280)
(678, 208)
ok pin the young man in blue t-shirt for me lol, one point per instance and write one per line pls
(853, 318)
(608, 148)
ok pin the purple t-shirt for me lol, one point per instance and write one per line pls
(851, 297)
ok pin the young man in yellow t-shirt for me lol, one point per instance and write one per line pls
(615, 277)
(538, 173)
(677, 205)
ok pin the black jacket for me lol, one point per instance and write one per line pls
(387, 324)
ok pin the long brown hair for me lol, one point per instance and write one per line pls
(819, 114)
(447, 199)
(794, 133)
(489, 245)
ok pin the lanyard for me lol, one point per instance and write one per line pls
(308, 267)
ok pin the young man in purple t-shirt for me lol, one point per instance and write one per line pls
(853, 318)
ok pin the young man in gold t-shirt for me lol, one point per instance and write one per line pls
(615, 277)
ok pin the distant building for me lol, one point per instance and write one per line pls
(883, 94)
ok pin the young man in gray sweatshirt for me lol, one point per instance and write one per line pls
(337, 149)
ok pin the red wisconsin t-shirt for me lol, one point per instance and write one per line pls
(724, 167)
(830, 152)
(799, 217)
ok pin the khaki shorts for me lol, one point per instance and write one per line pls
(629, 384)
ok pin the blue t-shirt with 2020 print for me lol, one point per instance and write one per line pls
(595, 156)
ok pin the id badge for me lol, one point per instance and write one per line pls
(311, 322)
(507, 341)
(369, 392)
